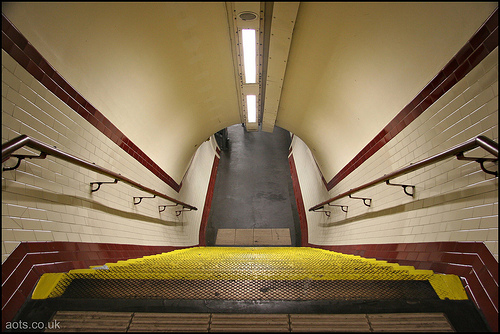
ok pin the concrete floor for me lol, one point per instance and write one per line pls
(253, 188)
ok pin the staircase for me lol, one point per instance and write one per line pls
(250, 273)
(255, 288)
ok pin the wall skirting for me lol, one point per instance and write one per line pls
(299, 201)
(30, 260)
(471, 261)
(208, 200)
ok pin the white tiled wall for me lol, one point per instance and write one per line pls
(454, 200)
(50, 199)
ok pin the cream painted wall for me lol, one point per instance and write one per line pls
(454, 200)
(50, 199)
(353, 66)
(160, 72)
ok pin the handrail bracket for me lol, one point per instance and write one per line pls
(20, 157)
(364, 200)
(140, 199)
(404, 187)
(99, 185)
(342, 207)
(178, 212)
(326, 212)
(162, 208)
(481, 161)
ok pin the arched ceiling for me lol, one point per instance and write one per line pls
(354, 66)
(164, 73)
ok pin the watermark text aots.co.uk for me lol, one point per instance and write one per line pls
(35, 325)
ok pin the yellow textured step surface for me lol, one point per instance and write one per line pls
(254, 263)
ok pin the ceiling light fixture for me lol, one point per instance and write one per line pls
(252, 108)
(247, 24)
(249, 55)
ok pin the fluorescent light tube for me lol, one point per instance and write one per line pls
(249, 55)
(252, 108)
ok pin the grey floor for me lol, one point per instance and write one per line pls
(253, 187)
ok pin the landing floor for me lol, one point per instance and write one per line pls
(253, 189)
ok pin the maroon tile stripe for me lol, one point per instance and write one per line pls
(30, 260)
(299, 201)
(208, 201)
(484, 41)
(472, 261)
(18, 47)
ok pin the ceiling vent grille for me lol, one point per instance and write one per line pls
(247, 16)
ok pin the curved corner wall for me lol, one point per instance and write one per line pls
(51, 221)
(454, 200)
(50, 200)
(455, 207)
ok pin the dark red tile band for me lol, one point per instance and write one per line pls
(484, 41)
(469, 260)
(18, 47)
(299, 201)
(30, 260)
(208, 200)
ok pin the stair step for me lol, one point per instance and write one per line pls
(78, 321)
(300, 269)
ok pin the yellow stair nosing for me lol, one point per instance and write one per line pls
(82, 271)
(448, 287)
(46, 285)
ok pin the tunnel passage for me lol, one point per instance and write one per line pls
(253, 195)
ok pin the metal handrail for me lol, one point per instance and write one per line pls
(480, 141)
(11, 146)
